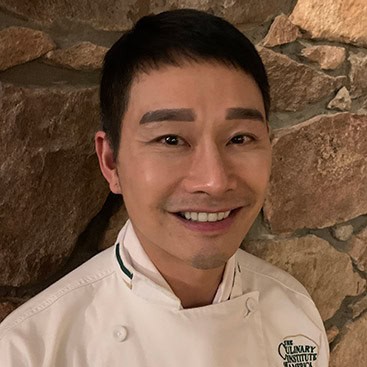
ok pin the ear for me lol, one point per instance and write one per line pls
(107, 162)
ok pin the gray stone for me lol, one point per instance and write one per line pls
(326, 273)
(19, 45)
(281, 31)
(49, 178)
(357, 249)
(315, 166)
(288, 79)
(351, 349)
(328, 57)
(341, 101)
(358, 74)
(81, 56)
(111, 15)
(343, 232)
(336, 20)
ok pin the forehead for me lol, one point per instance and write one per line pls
(194, 84)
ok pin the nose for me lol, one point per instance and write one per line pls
(210, 172)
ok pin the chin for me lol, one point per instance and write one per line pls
(205, 261)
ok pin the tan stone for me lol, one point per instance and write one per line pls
(328, 57)
(341, 101)
(19, 45)
(49, 178)
(326, 273)
(351, 350)
(358, 74)
(112, 15)
(281, 31)
(81, 56)
(357, 249)
(315, 166)
(115, 224)
(332, 333)
(288, 80)
(359, 307)
(343, 232)
(236, 11)
(337, 20)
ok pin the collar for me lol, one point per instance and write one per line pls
(141, 275)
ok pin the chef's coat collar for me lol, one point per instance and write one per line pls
(121, 263)
(153, 286)
(140, 284)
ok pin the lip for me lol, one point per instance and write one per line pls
(209, 227)
(201, 210)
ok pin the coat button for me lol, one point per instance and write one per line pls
(251, 304)
(120, 333)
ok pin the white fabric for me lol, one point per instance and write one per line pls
(98, 316)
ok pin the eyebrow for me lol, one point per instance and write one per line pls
(175, 114)
(187, 114)
(240, 113)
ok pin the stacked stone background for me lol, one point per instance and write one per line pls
(56, 210)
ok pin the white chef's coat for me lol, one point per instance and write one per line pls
(108, 313)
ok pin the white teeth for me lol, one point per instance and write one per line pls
(226, 214)
(205, 217)
(212, 217)
(202, 217)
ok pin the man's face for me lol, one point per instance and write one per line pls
(194, 162)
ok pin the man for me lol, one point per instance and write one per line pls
(185, 140)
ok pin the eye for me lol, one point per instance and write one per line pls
(171, 140)
(241, 139)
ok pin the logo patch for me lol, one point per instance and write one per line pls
(298, 351)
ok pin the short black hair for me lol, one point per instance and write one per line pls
(171, 38)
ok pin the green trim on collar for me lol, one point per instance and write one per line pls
(122, 266)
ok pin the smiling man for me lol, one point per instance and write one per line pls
(193, 165)
(185, 141)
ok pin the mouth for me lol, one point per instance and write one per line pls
(209, 222)
(204, 217)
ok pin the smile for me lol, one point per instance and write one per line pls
(205, 217)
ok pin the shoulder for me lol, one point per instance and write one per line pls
(287, 309)
(280, 294)
(74, 288)
(265, 274)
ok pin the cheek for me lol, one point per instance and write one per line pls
(257, 171)
(147, 180)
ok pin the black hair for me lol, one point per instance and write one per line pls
(171, 38)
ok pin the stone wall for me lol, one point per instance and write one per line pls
(55, 208)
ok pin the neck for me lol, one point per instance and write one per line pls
(194, 287)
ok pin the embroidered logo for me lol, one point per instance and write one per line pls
(298, 351)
